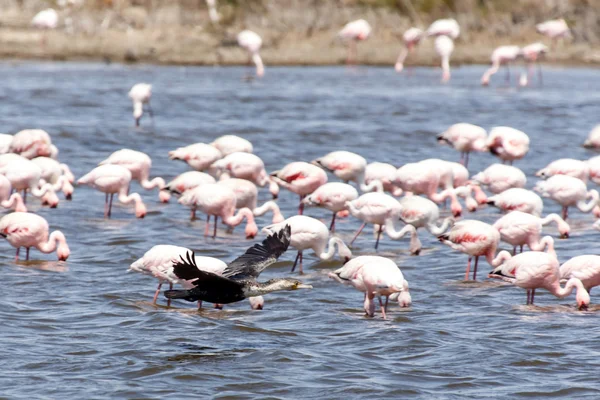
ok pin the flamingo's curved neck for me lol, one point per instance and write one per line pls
(499, 259)
(156, 182)
(56, 239)
(342, 249)
(436, 231)
(374, 186)
(572, 283)
(587, 207)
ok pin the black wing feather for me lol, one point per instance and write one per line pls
(259, 256)
(188, 270)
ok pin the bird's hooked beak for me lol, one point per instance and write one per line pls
(303, 286)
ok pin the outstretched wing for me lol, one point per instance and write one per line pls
(259, 256)
(188, 270)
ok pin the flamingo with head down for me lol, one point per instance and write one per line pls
(7, 200)
(385, 173)
(31, 143)
(228, 144)
(52, 171)
(593, 139)
(26, 175)
(301, 178)
(566, 166)
(518, 229)
(199, 156)
(333, 197)
(568, 192)
(499, 178)
(349, 167)
(252, 42)
(465, 138)
(518, 199)
(532, 54)
(411, 39)
(352, 33)
(186, 181)
(508, 144)
(140, 94)
(503, 55)
(586, 268)
(246, 195)
(247, 166)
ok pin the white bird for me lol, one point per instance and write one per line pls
(45, 19)
(507, 143)
(586, 268)
(568, 192)
(353, 32)
(464, 138)
(444, 46)
(518, 229)
(252, 43)
(140, 94)
(518, 199)
(444, 27)
(565, 166)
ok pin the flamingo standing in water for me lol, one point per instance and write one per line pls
(333, 197)
(518, 199)
(499, 178)
(199, 156)
(52, 171)
(476, 239)
(586, 268)
(245, 166)
(374, 276)
(186, 181)
(518, 229)
(310, 233)
(384, 173)
(352, 33)
(423, 213)
(111, 179)
(140, 94)
(301, 178)
(532, 270)
(139, 165)
(444, 27)
(28, 230)
(532, 54)
(508, 144)
(31, 143)
(251, 42)
(349, 167)
(246, 195)
(568, 192)
(411, 39)
(228, 144)
(464, 138)
(503, 55)
(218, 200)
(382, 210)
(444, 46)
(8, 200)
(554, 29)
(593, 140)
(566, 166)
(26, 175)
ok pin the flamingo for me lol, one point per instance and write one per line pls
(301, 178)
(586, 268)
(218, 200)
(444, 46)
(534, 269)
(111, 179)
(476, 239)
(45, 19)
(140, 94)
(22, 229)
(444, 27)
(186, 181)
(508, 144)
(31, 143)
(593, 165)
(213, 14)
(245, 166)
(499, 178)
(352, 33)
(518, 199)
(139, 165)
(565, 166)
(310, 233)
(382, 210)
(26, 175)
(246, 195)
(518, 229)
(568, 192)
(464, 138)
(375, 276)
(349, 167)
(199, 156)
(228, 144)
(251, 42)
(8, 200)
(52, 171)
(5, 142)
(554, 29)
(158, 262)
(593, 140)
(503, 55)
(333, 197)
(411, 39)
(385, 173)
(423, 213)
(532, 53)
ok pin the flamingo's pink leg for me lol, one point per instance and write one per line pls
(378, 236)
(467, 272)
(156, 293)
(358, 232)
(475, 269)
(528, 296)
(106, 206)
(382, 307)
(332, 225)
(169, 300)
(110, 204)
(532, 295)
(27, 254)
(207, 226)
(199, 304)
(215, 228)
(301, 206)
(17, 255)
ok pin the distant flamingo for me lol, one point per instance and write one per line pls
(186, 181)
(45, 19)
(228, 144)
(31, 143)
(333, 197)
(464, 138)
(349, 167)
(213, 14)
(476, 239)
(503, 55)
(374, 276)
(382, 210)
(310, 233)
(246, 195)
(518, 229)
(508, 144)
(385, 173)
(251, 42)
(199, 156)
(52, 171)
(7, 200)
(499, 177)
(140, 94)
(245, 166)
(444, 46)
(565, 166)
(554, 29)
(532, 270)
(218, 200)
(532, 54)
(586, 268)
(568, 192)
(518, 199)
(26, 175)
(301, 178)
(593, 140)
(411, 39)
(444, 27)
(28, 230)
(352, 33)
(139, 165)
(111, 179)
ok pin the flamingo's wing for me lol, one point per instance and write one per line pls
(260, 256)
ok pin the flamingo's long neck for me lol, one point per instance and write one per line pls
(587, 207)
(156, 182)
(269, 206)
(56, 239)
(572, 283)
(374, 186)
(342, 249)
(15, 201)
(415, 243)
(553, 218)
(499, 259)
(235, 220)
(260, 68)
(400, 61)
(39, 192)
(436, 231)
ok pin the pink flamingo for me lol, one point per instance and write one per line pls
(352, 33)
(532, 270)
(554, 29)
(245, 166)
(593, 140)
(310, 233)
(565, 166)
(423, 213)
(476, 239)
(464, 138)
(139, 165)
(111, 179)
(382, 210)
(199, 156)
(158, 262)
(45, 19)
(59, 175)
(333, 197)
(384, 173)
(508, 144)
(586, 268)
(301, 178)
(28, 230)
(251, 42)
(518, 199)
(499, 178)
(140, 94)
(503, 55)
(349, 167)
(518, 229)
(444, 46)
(532, 53)
(444, 27)
(246, 195)
(411, 39)
(228, 144)
(218, 200)
(213, 14)
(8, 200)
(26, 175)
(374, 276)
(568, 192)
(31, 143)
(186, 181)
